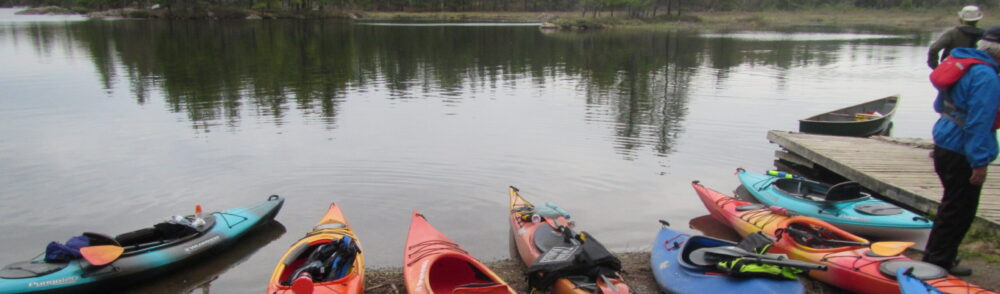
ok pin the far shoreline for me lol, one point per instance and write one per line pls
(890, 19)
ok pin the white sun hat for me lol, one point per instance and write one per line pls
(970, 13)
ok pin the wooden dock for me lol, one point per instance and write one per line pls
(900, 171)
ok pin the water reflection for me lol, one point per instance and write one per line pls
(198, 277)
(218, 73)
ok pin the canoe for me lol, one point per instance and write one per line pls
(853, 268)
(676, 274)
(432, 263)
(331, 256)
(147, 253)
(853, 120)
(535, 237)
(844, 205)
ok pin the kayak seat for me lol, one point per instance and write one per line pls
(137, 237)
(801, 188)
(546, 238)
(159, 234)
(100, 239)
(693, 251)
(844, 191)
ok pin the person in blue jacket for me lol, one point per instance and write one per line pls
(964, 144)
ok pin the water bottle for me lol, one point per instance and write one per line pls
(780, 174)
(198, 220)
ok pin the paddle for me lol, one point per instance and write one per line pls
(883, 248)
(715, 254)
(101, 254)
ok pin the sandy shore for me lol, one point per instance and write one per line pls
(639, 276)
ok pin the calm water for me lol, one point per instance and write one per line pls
(110, 126)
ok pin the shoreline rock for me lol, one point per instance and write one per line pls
(47, 10)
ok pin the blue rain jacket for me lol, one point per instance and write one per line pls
(978, 93)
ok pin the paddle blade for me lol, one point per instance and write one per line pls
(890, 248)
(101, 255)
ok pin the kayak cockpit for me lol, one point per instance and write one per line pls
(697, 261)
(819, 235)
(161, 235)
(453, 273)
(323, 260)
(820, 192)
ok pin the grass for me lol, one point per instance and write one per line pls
(981, 242)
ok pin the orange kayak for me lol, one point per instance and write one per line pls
(327, 260)
(851, 267)
(432, 263)
(536, 236)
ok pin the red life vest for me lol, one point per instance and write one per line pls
(945, 76)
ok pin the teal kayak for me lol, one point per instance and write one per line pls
(845, 205)
(146, 253)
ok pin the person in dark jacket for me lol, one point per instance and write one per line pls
(964, 144)
(965, 35)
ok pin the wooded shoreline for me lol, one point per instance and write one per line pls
(910, 20)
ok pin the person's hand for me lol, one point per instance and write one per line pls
(932, 63)
(978, 176)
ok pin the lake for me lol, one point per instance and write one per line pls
(111, 126)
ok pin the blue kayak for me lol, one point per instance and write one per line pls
(678, 275)
(147, 252)
(908, 284)
(844, 205)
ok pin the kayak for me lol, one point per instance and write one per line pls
(908, 284)
(327, 260)
(843, 204)
(854, 268)
(145, 253)
(535, 235)
(432, 263)
(201, 276)
(675, 273)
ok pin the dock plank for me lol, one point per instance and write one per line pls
(904, 173)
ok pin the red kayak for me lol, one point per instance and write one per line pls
(534, 238)
(432, 263)
(852, 262)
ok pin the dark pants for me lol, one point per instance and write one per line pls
(957, 209)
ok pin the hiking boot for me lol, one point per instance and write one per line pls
(960, 271)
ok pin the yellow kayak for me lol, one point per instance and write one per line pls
(327, 260)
